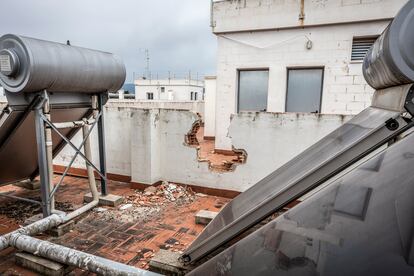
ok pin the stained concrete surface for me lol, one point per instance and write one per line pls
(159, 219)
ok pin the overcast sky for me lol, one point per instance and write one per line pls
(176, 32)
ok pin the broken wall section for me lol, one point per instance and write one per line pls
(148, 145)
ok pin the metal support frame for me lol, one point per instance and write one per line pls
(42, 157)
(101, 138)
(44, 124)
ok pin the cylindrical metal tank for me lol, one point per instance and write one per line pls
(390, 61)
(31, 65)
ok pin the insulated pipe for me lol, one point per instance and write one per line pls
(32, 65)
(74, 124)
(91, 178)
(33, 229)
(20, 239)
(73, 257)
(49, 154)
(390, 61)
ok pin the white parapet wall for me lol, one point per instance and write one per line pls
(148, 145)
(193, 106)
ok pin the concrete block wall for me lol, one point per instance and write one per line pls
(236, 15)
(344, 88)
(148, 145)
(193, 106)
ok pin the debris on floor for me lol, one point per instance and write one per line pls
(22, 210)
(141, 206)
(161, 217)
(162, 194)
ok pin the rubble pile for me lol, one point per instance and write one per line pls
(142, 206)
(162, 194)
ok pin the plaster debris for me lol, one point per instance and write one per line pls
(125, 206)
(100, 209)
(142, 206)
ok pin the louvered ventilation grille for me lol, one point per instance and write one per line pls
(360, 47)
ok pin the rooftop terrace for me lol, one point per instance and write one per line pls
(158, 218)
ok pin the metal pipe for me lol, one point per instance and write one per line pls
(91, 177)
(97, 104)
(20, 198)
(74, 124)
(73, 257)
(49, 153)
(33, 229)
(42, 159)
(20, 239)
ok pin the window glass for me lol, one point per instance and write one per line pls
(253, 90)
(304, 90)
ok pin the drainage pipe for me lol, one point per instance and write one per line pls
(74, 124)
(49, 155)
(91, 177)
(33, 229)
(73, 257)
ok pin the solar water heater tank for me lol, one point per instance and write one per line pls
(390, 62)
(32, 65)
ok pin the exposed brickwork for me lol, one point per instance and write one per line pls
(220, 162)
(133, 243)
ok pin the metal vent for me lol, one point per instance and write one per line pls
(360, 47)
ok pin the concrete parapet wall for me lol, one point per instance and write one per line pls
(148, 145)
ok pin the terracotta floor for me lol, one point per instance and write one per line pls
(218, 162)
(130, 236)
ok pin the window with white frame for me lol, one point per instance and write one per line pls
(162, 89)
(150, 96)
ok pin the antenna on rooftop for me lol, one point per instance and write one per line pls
(147, 60)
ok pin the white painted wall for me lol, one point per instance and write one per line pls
(210, 106)
(344, 88)
(196, 107)
(269, 34)
(237, 15)
(148, 145)
(174, 89)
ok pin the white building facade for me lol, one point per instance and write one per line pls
(302, 56)
(169, 90)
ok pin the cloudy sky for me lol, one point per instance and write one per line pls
(176, 32)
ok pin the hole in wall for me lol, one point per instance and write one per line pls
(218, 161)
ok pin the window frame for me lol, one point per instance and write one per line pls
(238, 85)
(148, 96)
(305, 68)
